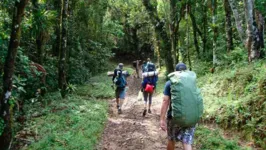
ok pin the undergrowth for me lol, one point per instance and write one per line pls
(72, 123)
(235, 98)
(207, 139)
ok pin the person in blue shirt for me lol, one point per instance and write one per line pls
(174, 132)
(120, 91)
(147, 95)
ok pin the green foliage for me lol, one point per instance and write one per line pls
(71, 88)
(235, 99)
(201, 67)
(213, 139)
(2, 125)
(26, 79)
(72, 123)
(236, 56)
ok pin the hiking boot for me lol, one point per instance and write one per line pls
(119, 111)
(144, 112)
(149, 111)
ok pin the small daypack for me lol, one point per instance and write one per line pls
(151, 82)
(186, 100)
(149, 88)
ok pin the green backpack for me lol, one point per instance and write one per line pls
(186, 100)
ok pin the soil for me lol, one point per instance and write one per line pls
(130, 130)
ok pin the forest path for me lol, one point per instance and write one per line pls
(130, 130)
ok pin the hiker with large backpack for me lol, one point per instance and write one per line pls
(184, 103)
(148, 66)
(148, 86)
(119, 80)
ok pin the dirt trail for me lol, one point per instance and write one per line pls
(130, 130)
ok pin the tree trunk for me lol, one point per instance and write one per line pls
(135, 41)
(40, 36)
(228, 26)
(164, 39)
(260, 22)
(194, 25)
(5, 120)
(57, 43)
(172, 26)
(252, 39)
(238, 20)
(205, 23)
(187, 44)
(176, 40)
(215, 31)
(62, 56)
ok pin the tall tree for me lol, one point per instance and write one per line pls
(57, 44)
(5, 120)
(62, 56)
(228, 26)
(215, 31)
(252, 39)
(261, 28)
(187, 42)
(238, 20)
(205, 23)
(195, 30)
(159, 26)
(40, 32)
(173, 24)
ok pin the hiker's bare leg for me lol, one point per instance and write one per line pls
(145, 94)
(171, 145)
(145, 105)
(121, 101)
(150, 100)
(187, 146)
(117, 102)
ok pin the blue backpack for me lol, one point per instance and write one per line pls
(150, 80)
(150, 67)
(120, 81)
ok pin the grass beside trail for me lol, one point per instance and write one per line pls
(75, 122)
(206, 139)
(235, 98)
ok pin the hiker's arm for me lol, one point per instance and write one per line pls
(114, 75)
(165, 105)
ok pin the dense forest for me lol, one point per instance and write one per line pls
(49, 46)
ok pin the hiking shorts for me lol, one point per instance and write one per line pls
(176, 133)
(120, 93)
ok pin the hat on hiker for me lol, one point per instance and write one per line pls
(180, 66)
(148, 59)
(120, 65)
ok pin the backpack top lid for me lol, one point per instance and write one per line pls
(150, 67)
(176, 76)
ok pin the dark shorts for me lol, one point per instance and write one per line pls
(120, 93)
(176, 133)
